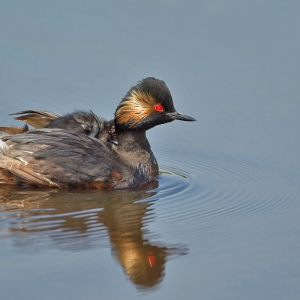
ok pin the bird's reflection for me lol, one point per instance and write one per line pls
(79, 220)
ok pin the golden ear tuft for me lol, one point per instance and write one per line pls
(135, 108)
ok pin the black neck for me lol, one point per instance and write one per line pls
(133, 147)
(132, 140)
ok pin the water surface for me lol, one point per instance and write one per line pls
(208, 214)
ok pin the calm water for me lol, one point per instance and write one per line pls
(222, 220)
(210, 225)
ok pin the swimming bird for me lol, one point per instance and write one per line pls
(64, 159)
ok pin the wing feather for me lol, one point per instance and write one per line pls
(37, 118)
(21, 170)
(55, 157)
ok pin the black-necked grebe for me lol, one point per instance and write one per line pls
(78, 121)
(64, 159)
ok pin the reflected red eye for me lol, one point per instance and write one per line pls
(158, 107)
(151, 259)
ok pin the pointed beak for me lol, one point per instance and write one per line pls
(178, 116)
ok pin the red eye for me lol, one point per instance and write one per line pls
(158, 107)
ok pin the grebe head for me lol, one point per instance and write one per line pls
(147, 104)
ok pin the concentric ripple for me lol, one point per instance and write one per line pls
(193, 187)
(219, 186)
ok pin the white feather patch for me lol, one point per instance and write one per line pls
(4, 150)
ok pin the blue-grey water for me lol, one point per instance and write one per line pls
(222, 219)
